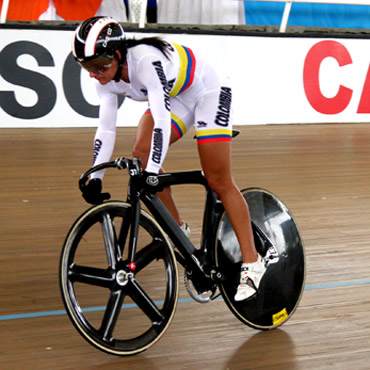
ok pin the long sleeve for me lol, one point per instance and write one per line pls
(153, 76)
(105, 135)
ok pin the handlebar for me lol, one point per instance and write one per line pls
(134, 165)
(134, 169)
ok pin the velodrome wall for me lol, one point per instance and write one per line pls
(279, 79)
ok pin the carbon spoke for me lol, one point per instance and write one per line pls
(152, 251)
(110, 240)
(145, 303)
(91, 275)
(111, 314)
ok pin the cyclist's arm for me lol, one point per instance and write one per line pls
(105, 135)
(151, 75)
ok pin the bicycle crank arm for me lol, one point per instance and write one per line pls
(217, 276)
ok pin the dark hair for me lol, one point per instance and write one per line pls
(157, 42)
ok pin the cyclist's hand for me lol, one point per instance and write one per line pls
(148, 180)
(91, 192)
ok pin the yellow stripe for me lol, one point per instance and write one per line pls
(182, 72)
(179, 122)
(213, 132)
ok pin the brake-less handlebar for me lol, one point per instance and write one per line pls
(134, 166)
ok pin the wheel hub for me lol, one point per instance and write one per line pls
(122, 277)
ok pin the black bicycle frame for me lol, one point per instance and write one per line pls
(212, 212)
(189, 256)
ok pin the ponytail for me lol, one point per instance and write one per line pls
(157, 42)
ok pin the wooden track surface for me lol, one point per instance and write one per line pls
(322, 173)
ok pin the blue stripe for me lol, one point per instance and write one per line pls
(184, 300)
(336, 285)
(212, 137)
(308, 15)
(178, 127)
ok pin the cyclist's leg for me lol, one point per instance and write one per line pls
(213, 119)
(141, 150)
(216, 163)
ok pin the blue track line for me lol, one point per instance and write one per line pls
(185, 300)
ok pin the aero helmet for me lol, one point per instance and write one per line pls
(95, 42)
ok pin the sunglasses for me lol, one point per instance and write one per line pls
(97, 65)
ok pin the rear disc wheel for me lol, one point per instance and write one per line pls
(282, 285)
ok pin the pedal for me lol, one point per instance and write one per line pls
(271, 256)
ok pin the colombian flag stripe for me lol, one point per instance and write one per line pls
(176, 122)
(213, 136)
(186, 72)
(189, 70)
(213, 140)
(178, 125)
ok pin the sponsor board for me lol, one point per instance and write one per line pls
(275, 79)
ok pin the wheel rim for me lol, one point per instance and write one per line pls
(118, 310)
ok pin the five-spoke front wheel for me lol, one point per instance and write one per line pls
(118, 306)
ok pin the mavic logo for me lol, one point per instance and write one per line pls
(152, 180)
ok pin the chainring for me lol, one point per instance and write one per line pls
(203, 297)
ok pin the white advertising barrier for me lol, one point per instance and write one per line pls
(276, 79)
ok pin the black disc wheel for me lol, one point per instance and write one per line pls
(278, 240)
(118, 307)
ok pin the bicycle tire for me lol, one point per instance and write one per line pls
(282, 286)
(116, 313)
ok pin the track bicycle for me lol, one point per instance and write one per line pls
(119, 262)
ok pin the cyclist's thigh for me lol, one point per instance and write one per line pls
(182, 118)
(214, 116)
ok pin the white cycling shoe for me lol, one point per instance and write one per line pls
(185, 229)
(250, 277)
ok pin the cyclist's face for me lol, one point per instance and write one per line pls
(105, 73)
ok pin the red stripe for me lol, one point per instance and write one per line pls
(214, 140)
(176, 130)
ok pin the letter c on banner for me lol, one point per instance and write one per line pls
(311, 81)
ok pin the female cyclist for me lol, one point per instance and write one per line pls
(182, 90)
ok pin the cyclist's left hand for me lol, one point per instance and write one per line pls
(92, 192)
